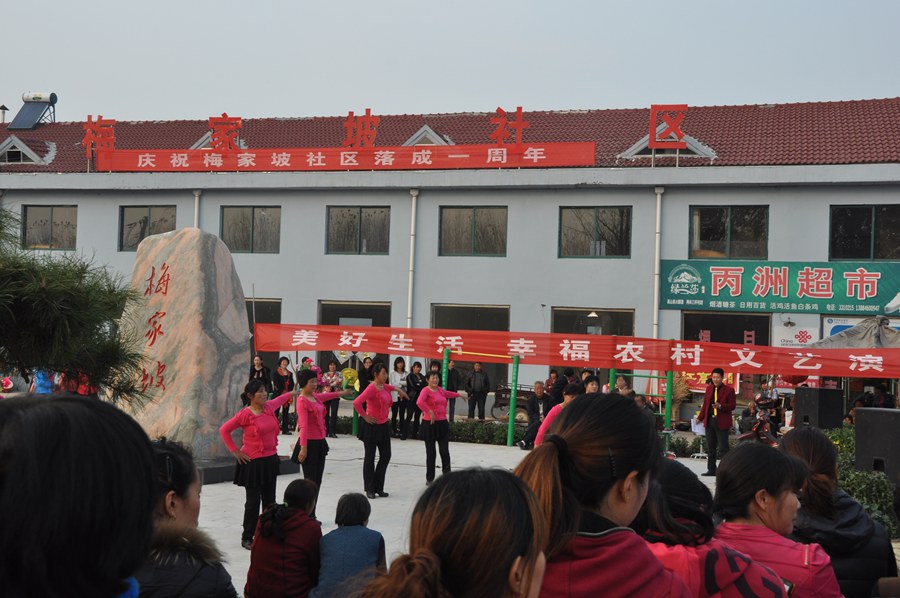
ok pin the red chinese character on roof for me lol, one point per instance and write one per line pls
(672, 115)
(501, 133)
(98, 134)
(224, 129)
(361, 130)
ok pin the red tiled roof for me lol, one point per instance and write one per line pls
(854, 132)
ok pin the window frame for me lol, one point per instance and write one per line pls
(149, 209)
(359, 229)
(596, 220)
(472, 231)
(52, 207)
(728, 208)
(253, 209)
(872, 231)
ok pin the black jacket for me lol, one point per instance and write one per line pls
(859, 548)
(183, 562)
(483, 382)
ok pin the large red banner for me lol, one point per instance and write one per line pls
(536, 348)
(435, 157)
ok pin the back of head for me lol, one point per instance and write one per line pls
(299, 494)
(352, 509)
(175, 470)
(77, 490)
(573, 389)
(597, 440)
(467, 530)
(678, 509)
(818, 452)
(752, 467)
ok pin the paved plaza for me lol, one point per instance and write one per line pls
(223, 503)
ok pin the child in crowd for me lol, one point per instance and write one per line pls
(351, 554)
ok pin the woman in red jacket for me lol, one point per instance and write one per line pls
(591, 477)
(284, 562)
(435, 429)
(756, 495)
(377, 432)
(257, 460)
(677, 522)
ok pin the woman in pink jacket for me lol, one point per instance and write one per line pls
(435, 428)
(311, 447)
(756, 495)
(377, 432)
(257, 460)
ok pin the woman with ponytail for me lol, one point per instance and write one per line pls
(591, 477)
(859, 548)
(474, 533)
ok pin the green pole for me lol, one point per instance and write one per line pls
(512, 402)
(670, 380)
(612, 379)
(445, 368)
(355, 423)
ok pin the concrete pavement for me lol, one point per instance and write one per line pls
(223, 504)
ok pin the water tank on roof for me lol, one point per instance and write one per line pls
(39, 96)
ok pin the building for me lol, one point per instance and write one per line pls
(562, 249)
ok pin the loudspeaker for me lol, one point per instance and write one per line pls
(877, 441)
(818, 407)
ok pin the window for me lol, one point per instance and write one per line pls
(138, 222)
(251, 230)
(865, 232)
(15, 156)
(473, 231)
(49, 227)
(595, 232)
(353, 229)
(736, 232)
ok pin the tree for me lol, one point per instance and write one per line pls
(62, 313)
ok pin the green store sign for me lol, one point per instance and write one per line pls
(852, 288)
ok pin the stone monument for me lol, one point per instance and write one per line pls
(193, 328)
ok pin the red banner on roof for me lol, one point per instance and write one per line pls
(579, 350)
(435, 157)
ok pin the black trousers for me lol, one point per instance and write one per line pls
(373, 477)
(477, 398)
(314, 464)
(285, 413)
(451, 408)
(715, 438)
(531, 431)
(331, 414)
(395, 410)
(409, 427)
(255, 494)
(443, 445)
(546, 404)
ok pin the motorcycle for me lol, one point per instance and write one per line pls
(761, 430)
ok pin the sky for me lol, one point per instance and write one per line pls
(191, 59)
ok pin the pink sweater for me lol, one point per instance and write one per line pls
(545, 425)
(435, 400)
(260, 431)
(378, 402)
(311, 415)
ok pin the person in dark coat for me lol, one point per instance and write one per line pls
(477, 388)
(556, 391)
(183, 561)
(452, 386)
(258, 371)
(533, 406)
(284, 560)
(859, 548)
